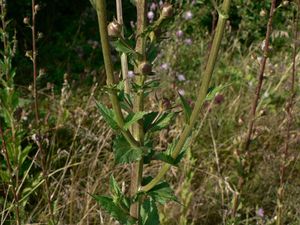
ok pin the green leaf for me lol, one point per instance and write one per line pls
(162, 193)
(24, 154)
(186, 108)
(124, 153)
(213, 91)
(114, 187)
(163, 121)
(149, 213)
(115, 211)
(165, 158)
(133, 118)
(122, 46)
(108, 116)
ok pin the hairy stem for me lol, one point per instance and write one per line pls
(252, 113)
(201, 94)
(138, 133)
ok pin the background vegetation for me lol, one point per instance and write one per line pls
(53, 164)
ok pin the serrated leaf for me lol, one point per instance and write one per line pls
(148, 119)
(162, 193)
(124, 153)
(114, 187)
(163, 121)
(164, 158)
(108, 116)
(115, 211)
(123, 47)
(133, 118)
(149, 213)
(186, 108)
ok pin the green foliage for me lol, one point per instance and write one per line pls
(124, 152)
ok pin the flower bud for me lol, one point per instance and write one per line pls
(285, 3)
(37, 8)
(114, 29)
(263, 13)
(145, 68)
(167, 10)
(26, 20)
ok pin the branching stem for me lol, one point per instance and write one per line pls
(201, 94)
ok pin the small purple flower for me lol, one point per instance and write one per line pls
(181, 92)
(188, 15)
(181, 77)
(161, 2)
(150, 15)
(130, 74)
(219, 99)
(164, 66)
(179, 33)
(188, 41)
(260, 212)
(153, 6)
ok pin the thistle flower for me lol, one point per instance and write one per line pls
(181, 77)
(150, 15)
(188, 15)
(188, 41)
(179, 33)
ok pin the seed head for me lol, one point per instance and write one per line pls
(114, 29)
(167, 10)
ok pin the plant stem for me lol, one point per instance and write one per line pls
(11, 172)
(124, 61)
(255, 103)
(201, 94)
(138, 133)
(101, 13)
(289, 110)
(34, 63)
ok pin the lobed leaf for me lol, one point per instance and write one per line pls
(108, 115)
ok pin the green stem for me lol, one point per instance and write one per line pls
(201, 95)
(101, 13)
(138, 133)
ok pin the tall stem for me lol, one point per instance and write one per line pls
(11, 173)
(101, 13)
(124, 61)
(252, 113)
(289, 113)
(202, 92)
(138, 133)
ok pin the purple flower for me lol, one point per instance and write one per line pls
(181, 92)
(179, 33)
(130, 74)
(188, 41)
(219, 99)
(181, 77)
(164, 66)
(150, 15)
(188, 15)
(153, 6)
(161, 2)
(260, 212)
